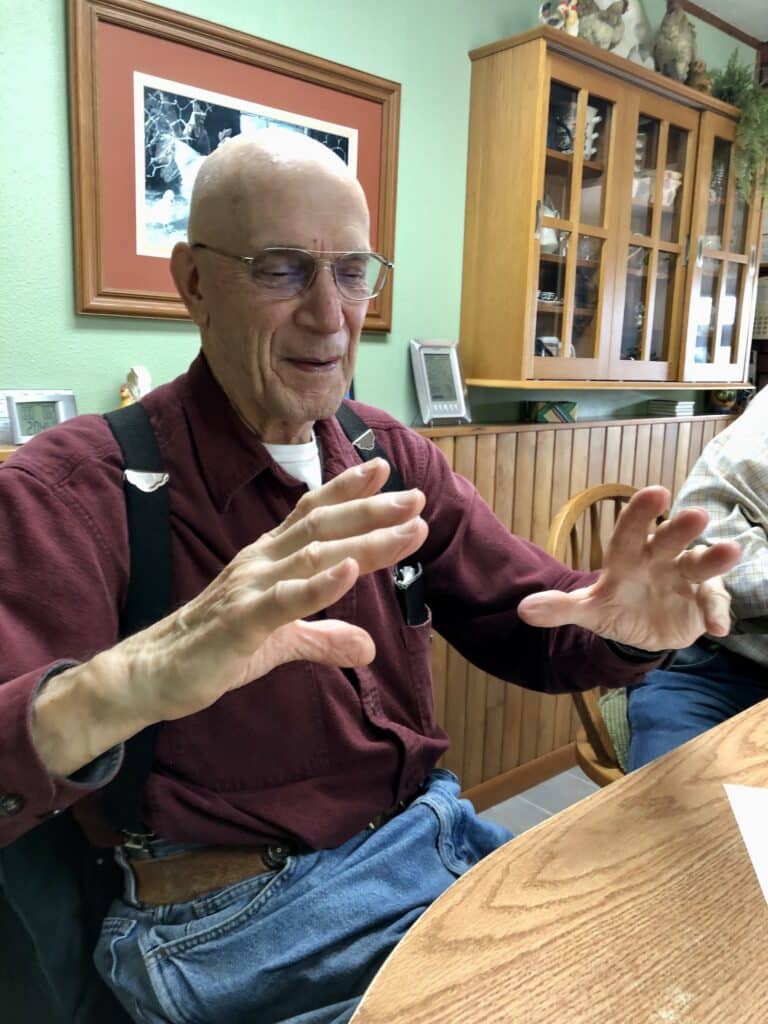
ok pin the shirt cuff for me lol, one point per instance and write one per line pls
(29, 792)
(103, 768)
(634, 654)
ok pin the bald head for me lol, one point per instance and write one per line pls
(246, 187)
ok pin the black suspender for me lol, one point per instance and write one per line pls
(148, 513)
(149, 591)
(407, 576)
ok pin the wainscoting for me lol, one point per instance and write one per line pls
(504, 738)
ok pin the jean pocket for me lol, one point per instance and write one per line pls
(184, 926)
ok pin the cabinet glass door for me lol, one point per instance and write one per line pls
(571, 326)
(724, 272)
(659, 143)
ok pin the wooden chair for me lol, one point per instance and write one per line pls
(576, 537)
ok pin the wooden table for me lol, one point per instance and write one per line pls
(638, 905)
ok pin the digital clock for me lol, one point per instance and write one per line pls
(439, 387)
(31, 412)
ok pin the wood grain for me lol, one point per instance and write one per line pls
(638, 905)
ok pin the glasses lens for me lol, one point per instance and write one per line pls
(359, 275)
(283, 272)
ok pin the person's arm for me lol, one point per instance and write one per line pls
(514, 611)
(60, 731)
(244, 624)
(734, 493)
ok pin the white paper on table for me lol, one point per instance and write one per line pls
(750, 807)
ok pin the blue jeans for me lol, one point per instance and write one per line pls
(704, 685)
(299, 944)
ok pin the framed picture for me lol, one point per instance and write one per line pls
(152, 92)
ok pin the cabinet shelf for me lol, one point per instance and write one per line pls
(557, 309)
(549, 257)
(589, 168)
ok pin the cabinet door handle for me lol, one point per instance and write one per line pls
(700, 252)
(686, 250)
(537, 223)
(752, 259)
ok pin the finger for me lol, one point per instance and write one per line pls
(355, 482)
(350, 519)
(253, 606)
(674, 535)
(635, 523)
(556, 608)
(701, 563)
(715, 603)
(377, 549)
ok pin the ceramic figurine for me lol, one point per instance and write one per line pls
(138, 382)
(602, 28)
(699, 78)
(675, 48)
(550, 14)
(570, 13)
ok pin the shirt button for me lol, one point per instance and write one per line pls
(10, 803)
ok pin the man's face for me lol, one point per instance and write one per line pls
(283, 363)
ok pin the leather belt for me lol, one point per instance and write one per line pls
(186, 876)
(181, 877)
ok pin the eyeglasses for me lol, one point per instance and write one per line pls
(286, 272)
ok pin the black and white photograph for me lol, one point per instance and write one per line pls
(176, 127)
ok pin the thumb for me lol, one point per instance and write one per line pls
(326, 641)
(555, 608)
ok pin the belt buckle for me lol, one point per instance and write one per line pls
(385, 816)
(137, 840)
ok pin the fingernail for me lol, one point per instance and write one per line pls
(406, 529)
(403, 498)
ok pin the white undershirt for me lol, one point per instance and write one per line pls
(301, 461)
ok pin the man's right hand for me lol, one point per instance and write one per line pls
(245, 623)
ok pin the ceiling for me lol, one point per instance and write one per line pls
(751, 16)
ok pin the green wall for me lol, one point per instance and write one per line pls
(422, 44)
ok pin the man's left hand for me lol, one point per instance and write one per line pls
(654, 592)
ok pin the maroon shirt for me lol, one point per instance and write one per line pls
(308, 752)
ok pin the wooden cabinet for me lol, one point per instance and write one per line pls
(604, 239)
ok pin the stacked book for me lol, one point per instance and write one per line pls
(670, 407)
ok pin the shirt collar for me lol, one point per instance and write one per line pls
(230, 455)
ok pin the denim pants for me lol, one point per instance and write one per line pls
(301, 943)
(705, 685)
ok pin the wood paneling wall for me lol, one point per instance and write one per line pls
(526, 472)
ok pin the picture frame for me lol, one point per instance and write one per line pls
(151, 91)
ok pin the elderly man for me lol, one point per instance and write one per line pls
(294, 825)
(716, 678)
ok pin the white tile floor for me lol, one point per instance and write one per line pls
(541, 802)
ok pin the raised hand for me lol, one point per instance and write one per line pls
(653, 592)
(246, 622)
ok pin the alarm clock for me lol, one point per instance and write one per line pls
(30, 412)
(437, 376)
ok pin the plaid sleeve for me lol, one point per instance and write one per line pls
(730, 481)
